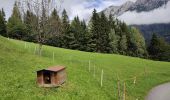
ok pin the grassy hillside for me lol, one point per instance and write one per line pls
(19, 63)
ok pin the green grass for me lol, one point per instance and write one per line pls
(18, 66)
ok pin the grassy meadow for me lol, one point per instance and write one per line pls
(19, 63)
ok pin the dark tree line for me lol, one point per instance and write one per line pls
(159, 49)
(102, 34)
(3, 30)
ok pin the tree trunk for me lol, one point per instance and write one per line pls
(40, 49)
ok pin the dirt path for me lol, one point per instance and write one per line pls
(161, 92)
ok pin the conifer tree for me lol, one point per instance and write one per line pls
(136, 44)
(94, 32)
(80, 33)
(15, 27)
(113, 36)
(55, 23)
(3, 30)
(84, 37)
(114, 41)
(66, 34)
(111, 22)
(156, 47)
(75, 29)
(104, 39)
(123, 45)
(56, 30)
(30, 23)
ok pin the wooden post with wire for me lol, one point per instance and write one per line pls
(89, 65)
(145, 71)
(94, 71)
(25, 44)
(41, 52)
(70, 59)
(102, 78)
(118, 89)
(53, 56)
(35, 50)
(124, 91)
(134, 81)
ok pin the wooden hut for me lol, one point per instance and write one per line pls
(51, 77)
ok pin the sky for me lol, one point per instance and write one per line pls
(159, 15)
(82, 8)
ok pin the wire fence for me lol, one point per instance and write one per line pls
(120, 87)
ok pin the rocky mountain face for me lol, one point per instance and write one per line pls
(118, 10)
(147, 5)
(140, 6)
(111, 10)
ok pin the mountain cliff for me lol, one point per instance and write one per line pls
(138, 6)
(149, 16)
(118, 10)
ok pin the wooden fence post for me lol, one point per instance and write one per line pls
(102, 78)
(118, 89)
(89, 65)
(70, 60)
(124, 91)
(53, 56)
(134, 82)
(35, 50)
(41, 52)
(145, 71)
(25, 44)
(94, 71)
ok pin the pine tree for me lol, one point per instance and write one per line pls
(55, 28)
(164, 55)
(155, 48)
(15, 27)
(123, 45)
(111, 21)
(30, 22)
(16, 12)
(114, 41)
(84, 37)
(74, 34)
(76, 29)
(3, 31)
(104, 39)
(94, 33)
(136, 43)
(118, 29)
(65, 30)
(81, 36)
(123, 41)
(3, 13)
(55, 23)
(113, 36)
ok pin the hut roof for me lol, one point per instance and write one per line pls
(53, 69)
(56, 68)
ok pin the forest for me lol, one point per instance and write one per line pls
(100, 34)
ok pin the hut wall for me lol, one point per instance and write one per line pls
(40, 78)
(61, 77)
(53, 78)
(56, 79)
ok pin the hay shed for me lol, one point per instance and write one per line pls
(51, 77)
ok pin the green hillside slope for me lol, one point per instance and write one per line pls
(19, 63)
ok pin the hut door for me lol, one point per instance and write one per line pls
(47, 77)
